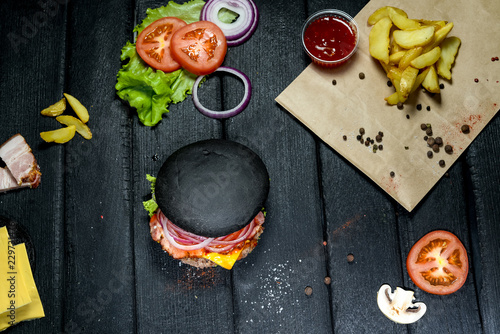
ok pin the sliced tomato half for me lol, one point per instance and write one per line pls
(199, 47)
(153, 43)
(438, 263)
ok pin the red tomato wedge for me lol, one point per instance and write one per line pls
(199, 47)
(438, 263)
(153, 43)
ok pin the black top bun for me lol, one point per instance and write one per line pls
(212, 187)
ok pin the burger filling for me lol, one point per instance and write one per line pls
(224, 251)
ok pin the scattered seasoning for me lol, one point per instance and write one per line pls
(430, 154)
(362, 131)
(372, 141)
(327, 280)
(375, 148)
(419, 106)
(350, 258)
(400, 105)
(476, 80)
(430, 141)
(358, 137)
(428, 131)
(334, 82)
(439, 141)
(435, 148)
(361, 75)
(324, 243)
(380, 147)
(465, 128)
(308, 290)
(362, 141)
(344, 137)
(407, 148)
(423, 126)
(368, 139)
(380, 133)
(367, 143)
(378, 138)
(426, 137)
(441, 86)
(389, 83)
(442, 163)
(392, 174)
(428, 108)
(448, 149)
(407, 116)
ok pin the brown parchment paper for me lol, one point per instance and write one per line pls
(332, 111)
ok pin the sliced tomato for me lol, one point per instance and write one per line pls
(153, 43)
(438, 263)
(199, 47)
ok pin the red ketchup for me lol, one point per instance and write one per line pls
(330, 38)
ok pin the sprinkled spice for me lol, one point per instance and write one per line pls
(308, 290)
(442, 163)
(327, 280)
(350, 258)
(448, 149)
(392, 174)
(407, 116)
(334, 82)
(389, 83)
(361, 75)
(441, 86)
(465, 128)
(400, 105)
(407, 147)
(476, 80)
(419, 106)
(344, 137)
(430, 154)
(428, 108)
(425, 138)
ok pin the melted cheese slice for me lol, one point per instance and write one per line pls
(225, 261)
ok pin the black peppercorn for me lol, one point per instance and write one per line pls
(361, 75)
(465, 128)
(362, 131)
(334, 82)
(435, 148)
(442, 163)
(378, 138)
(439, 141)
(400, 105)
(428, 131)
(419, 106)
(430, 141)
(430, 154)
(423, 126)
(393, 174)
(448, 149)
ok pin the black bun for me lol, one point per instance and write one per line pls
(19, 234)
(212, 187)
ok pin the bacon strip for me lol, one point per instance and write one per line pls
(22, 168)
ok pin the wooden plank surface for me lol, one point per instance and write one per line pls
(97, 268)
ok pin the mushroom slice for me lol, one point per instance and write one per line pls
(398, 305)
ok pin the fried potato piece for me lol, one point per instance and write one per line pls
(408, 78)
(392, 99)
(402, 21)
(439, 36)
(409, 56)
(382, 12)
(56, 109)
(420, 78)
(395, 58)
(79, 109)
(412, 38)
(437, 24)
(81, 128)
(431, 82)
(59, 136)
(426, 59)
(449, 49)
(379, 40)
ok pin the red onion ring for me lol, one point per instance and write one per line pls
(231, 112)
(236, 32)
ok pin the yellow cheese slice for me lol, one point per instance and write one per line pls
(225, 261)
(12, 285)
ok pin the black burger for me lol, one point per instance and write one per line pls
(207, 205)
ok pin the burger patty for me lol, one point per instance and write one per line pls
(194, 257)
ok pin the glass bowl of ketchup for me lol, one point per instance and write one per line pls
(330, 37)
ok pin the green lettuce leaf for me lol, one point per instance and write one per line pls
(151, 206)
(146, 89)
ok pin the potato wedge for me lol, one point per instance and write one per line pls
(395, 58)
(79, 109)
(402, 21)
(56, 109)
(382, 12)
(439, 36)
(59, 136)
(392, 99)
(412, 38)
(408, 78)
(449, 49)
(81, 128)
(431, 82)
(420, 78)
(379, 40)
(426, 59)
(409, 56)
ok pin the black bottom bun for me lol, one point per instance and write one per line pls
(156, 231)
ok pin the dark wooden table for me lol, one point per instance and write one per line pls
(97, 269)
